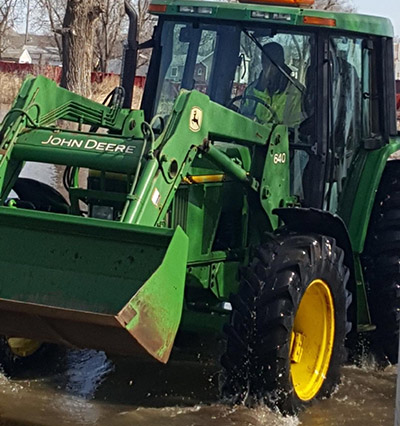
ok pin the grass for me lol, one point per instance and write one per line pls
(10, 84)
(101, 90)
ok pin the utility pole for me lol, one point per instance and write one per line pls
(27, 21)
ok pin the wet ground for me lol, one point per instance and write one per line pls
(84, 387)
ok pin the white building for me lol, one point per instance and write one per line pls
(397, 60)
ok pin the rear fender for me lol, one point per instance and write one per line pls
(359, 196)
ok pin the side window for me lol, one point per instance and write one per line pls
(350, 93)
(346, 97)
(371, 110)
(346, 87)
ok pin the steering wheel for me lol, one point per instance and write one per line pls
(242, 98)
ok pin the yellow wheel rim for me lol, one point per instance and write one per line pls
(23, 347)
(312, 340)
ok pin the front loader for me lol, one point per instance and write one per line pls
(217, 210)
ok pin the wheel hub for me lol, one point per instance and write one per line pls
(312, 340)
(23, 347)
(297, 346)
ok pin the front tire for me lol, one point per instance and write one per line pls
(18, 354)
(287, 331)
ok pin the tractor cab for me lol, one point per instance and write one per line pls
(310, 71)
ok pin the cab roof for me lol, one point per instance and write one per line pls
(250, 12)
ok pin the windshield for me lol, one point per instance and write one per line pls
(188, 57)
(268, 74)
(261, 73)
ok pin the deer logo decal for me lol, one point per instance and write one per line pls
(196, 118)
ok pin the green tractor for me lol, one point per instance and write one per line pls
(254, 197)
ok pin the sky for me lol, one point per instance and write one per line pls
(387, 8)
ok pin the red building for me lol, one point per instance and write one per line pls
(398, 94)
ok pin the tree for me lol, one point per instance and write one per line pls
(108, 32)
(112, 29)
(146, 24)
(55, 11)
(7, 9)
(338, 5)
(87, 34)
(78, 32)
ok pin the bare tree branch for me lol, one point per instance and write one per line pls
(51, 15)
(7, 15)
(146, 24)
(338, 5)
(108, 33)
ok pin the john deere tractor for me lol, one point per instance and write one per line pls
(254, 198)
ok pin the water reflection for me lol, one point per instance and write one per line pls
(201, 415)
(85, 371)
(42, 172)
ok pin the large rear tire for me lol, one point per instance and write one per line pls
(285, 340)
(381, 261)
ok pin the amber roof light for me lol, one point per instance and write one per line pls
(314, 20)
(157, 8)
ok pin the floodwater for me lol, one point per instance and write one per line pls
(85, 387)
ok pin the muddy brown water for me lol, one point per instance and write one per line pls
(86, 387)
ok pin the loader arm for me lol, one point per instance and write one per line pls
(28, 131)
(41, 102)
(32, 119)
(194, 124)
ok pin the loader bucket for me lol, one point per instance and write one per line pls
(85, 282)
